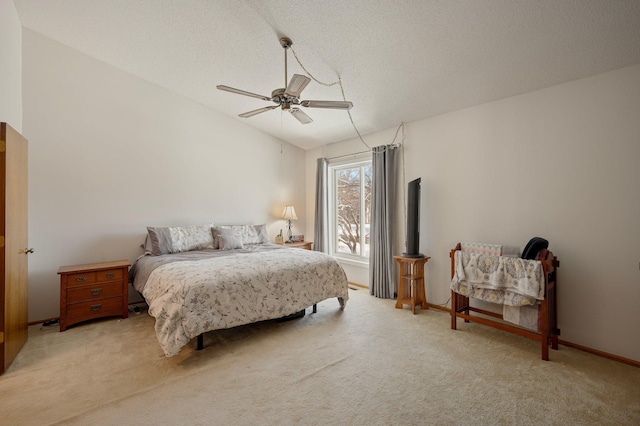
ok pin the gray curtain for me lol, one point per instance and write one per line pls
(382, 279)
(321, 231)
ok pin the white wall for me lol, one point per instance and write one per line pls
(111, 154)
(10, 65)
(560, 163)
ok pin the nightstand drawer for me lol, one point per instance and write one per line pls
(94, 309)
(306, 245)
(110, 275)
(81, 279)
(94, 292)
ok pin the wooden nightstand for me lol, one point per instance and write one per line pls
(307, 245)
(93, 290)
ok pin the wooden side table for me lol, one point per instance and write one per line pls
(411, 282)
(93, 290)
(307, 245)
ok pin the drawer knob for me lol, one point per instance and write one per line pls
(97, 307)
(81, 279)
(96, 291)
(111, 275)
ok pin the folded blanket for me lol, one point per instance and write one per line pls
(528, 316)
(524, 316)
(481, 248)
(510, 251)
(498, 279)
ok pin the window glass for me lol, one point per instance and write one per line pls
(351, 210)
(348, 213)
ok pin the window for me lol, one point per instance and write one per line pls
(350, 209)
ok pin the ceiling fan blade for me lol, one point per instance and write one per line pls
(257, 111)
(296, 85)
(300, 115)
(327, 104)
(242, 92)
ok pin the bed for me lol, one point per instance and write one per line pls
(237, 277)
(524, 287)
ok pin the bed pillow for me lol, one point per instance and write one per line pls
(230, 242)
(159, 241)
(164, 240)
(262, 236)
(250, 234)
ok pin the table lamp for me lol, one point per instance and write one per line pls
(289, 214)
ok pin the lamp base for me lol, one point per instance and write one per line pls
(289, 233)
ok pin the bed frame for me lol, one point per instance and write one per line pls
(548, 335)
(299, 314)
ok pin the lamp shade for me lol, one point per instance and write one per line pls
(289, 213)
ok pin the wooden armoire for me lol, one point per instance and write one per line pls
(13, 244)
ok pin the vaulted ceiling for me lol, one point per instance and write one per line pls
(399, 60)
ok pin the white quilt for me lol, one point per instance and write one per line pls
(190, 297)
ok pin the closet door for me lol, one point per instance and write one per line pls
(13, 244)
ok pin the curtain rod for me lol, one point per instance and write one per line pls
(358, 153)
(348, 155)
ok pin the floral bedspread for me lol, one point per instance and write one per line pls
(498, 279)
(225, 289)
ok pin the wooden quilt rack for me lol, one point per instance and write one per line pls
(548, 334)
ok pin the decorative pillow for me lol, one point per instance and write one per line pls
(178, 239)
(221, 231)
(251, 234)
(230, 242)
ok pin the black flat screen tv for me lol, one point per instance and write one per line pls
(413, 219)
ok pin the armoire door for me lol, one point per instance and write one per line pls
(13, 244)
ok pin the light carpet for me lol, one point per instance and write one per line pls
(370, 364)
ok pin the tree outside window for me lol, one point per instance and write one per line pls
(352, 186)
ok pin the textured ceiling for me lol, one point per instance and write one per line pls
(399, 60)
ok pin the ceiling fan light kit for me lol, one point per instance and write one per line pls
(286, 97)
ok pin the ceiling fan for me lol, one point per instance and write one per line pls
(288, 98)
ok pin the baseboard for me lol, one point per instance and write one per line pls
(44, 320)
(438, 307)
(357, 285)
(600, 353)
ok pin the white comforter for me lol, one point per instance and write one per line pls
(190, 297)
